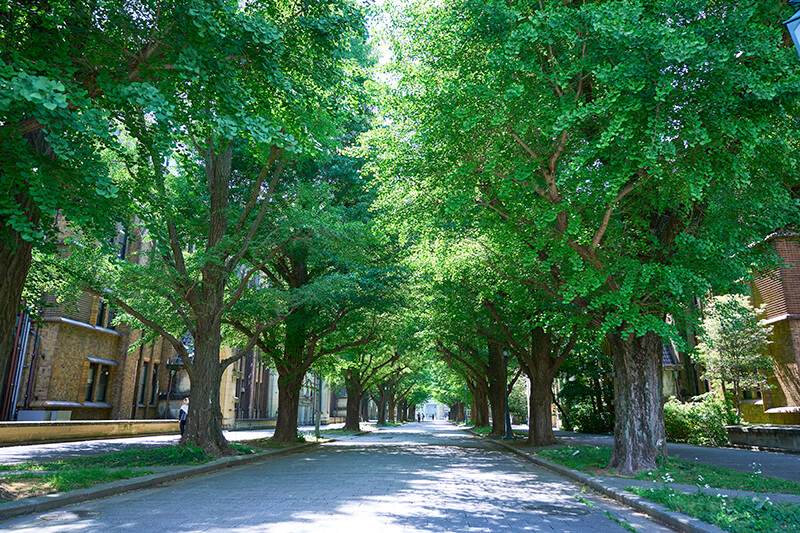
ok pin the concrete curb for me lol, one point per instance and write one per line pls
(54, 501)
(678, 521)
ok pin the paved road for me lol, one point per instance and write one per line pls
(415, 478)
(779, 465)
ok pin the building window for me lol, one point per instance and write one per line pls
(154, 385)
(102, 309)
(97, 383)
(143, 383)
(102, 383)
(90, 382)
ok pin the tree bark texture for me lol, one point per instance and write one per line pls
(15, 259)
(288, 406)
(204, 424)
(355, 393)
(541, 364)
(480, 406)
(291, 371)
(639, 435)
(497, 390)
(382, 406)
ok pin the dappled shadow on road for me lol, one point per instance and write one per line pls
(418, 478)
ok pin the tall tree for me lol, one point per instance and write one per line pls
(50, 128)
(231, 95)
(631, 146)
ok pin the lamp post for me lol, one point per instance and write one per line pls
(509, 434)
(793, 25)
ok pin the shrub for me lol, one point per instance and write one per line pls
(700, 422)
(584, 419)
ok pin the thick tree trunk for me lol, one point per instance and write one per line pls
(15, 262)
(382, 407)
(204, 424)
(392, 408)
(497, 390)
(291, 371)
(355, 393)
(288, 405)
(15, 258)
(639, 435)
(480, 407)
(541, 365)
(540, 426)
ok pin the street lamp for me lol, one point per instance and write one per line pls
(509, 434)
(793, 25)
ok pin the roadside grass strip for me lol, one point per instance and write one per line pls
(594, 460)
(29, 479)
(31, 484)
(738, 515)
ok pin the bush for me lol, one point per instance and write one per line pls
(700, 422)
(584, 419)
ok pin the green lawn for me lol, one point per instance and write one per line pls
(595, 459)
(36, 478)
(738, 515)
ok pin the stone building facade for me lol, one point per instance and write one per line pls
(779, 291)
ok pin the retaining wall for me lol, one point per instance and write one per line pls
(18, 433)
(780, 438)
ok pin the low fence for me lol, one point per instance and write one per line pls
(776, 438)
(18, 433)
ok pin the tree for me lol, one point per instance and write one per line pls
(50, 127)
(618, 142)
(733, 343)
(362, 369)
(229, 97)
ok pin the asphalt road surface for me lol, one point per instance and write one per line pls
(420, 477)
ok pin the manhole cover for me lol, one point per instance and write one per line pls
(556, 510)
(68, 515)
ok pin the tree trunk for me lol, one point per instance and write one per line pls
(480, 407)
(392, 407)
(15, 262)
(540, 426)
(204, 424)
(541, 364)
(639, 435)
(289, 386)
(382, 406)
(291, 371)
(15, 259)
(497, 390)
(355, 394)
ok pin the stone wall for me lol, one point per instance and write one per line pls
(18, 433)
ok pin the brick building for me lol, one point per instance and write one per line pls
(780, 292)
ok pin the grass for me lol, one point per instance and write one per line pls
(162, 456)
(39, 478)
(738, 515)
(344, 432)
(595, 459)
(66, 480)
(623, 524)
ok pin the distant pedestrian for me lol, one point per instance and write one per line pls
(183, 414)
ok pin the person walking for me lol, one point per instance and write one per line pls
(183, 414)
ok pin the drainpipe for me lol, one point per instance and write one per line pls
(32, 370)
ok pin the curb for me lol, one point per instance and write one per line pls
(678, 521)
(53, 501)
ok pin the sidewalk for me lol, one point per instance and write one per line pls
(784, 466)
(771, 464)
(67, 450)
